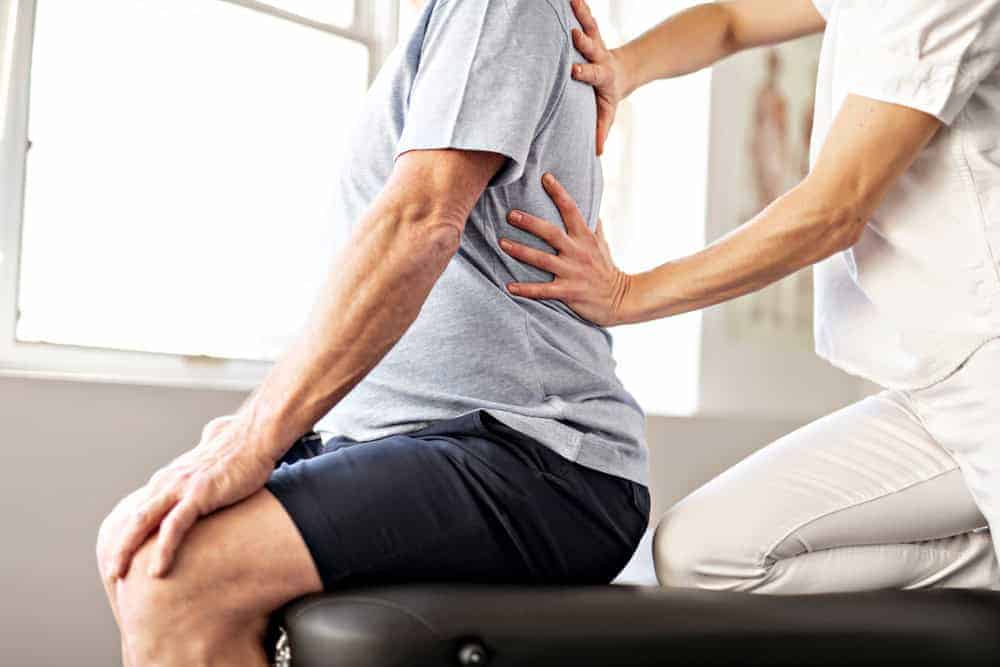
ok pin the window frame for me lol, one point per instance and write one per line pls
(376, 25)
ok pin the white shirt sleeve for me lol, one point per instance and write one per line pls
(823, 7)
(929, 55)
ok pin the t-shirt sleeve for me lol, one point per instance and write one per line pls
(489, 76)
(930, 55)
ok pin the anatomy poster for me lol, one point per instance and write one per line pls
(776, 94)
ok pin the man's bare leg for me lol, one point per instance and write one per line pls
(233, 570)
(109, 527)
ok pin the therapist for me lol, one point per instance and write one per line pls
(901, 216)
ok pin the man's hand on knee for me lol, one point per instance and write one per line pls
(222, 470)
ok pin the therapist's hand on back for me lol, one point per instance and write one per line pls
(605, 71)
(585, 276)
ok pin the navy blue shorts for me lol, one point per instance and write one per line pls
(466, 500)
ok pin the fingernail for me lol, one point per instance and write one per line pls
(514, 289)
(505, 244)
(548, 179)
(577, 70)
(515, 216)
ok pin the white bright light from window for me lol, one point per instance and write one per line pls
(409, 12)
(335, 12)
(185, 153)
(178, 191)
(656, 168)
(7, 58)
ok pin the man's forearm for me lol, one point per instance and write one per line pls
(369, 300)
(373, 293)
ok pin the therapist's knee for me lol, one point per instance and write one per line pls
(701, 545)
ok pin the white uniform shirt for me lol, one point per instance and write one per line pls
(920, 291)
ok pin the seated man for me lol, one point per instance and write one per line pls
(471, 436)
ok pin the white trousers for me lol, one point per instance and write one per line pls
(897, 491)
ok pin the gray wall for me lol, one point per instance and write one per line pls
(70, 451)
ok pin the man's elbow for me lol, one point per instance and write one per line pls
(434, 228)
(443, 240)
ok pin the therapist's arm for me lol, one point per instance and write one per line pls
(870, 145)
(706, 33)
(684, 43)
(373, 294)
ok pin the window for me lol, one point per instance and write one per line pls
(332, 12)
(183, 150)
(180, 152)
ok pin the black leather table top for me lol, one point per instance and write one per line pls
(637, 626)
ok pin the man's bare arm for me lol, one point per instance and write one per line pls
(373, 294)
(375, 290)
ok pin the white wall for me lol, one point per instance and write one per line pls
(70, 451)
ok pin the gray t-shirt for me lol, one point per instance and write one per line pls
(492, 75)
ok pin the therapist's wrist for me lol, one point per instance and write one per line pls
(642, 299)
(624, 306)
(626, 70)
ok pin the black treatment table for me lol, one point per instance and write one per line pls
(632, 626)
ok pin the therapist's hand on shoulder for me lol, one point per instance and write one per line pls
(585, 276)
(604, 71)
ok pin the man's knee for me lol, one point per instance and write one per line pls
(106, 536)
(174, 618)
(233, 568)
(697, 545)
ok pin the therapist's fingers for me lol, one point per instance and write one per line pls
(587, 46)
(554, 290)
(595, 75)
(599, 232)
(543, 229)
(587, 20)
(604, 123)
(570, 212)
(536, 258)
